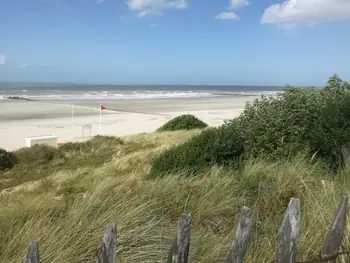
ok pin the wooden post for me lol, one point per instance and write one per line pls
(106, 253)
(335, 234)
(241, 237)
(32, 255)
(288, 236)
(179, 250)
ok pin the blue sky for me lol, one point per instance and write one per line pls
(251, 42)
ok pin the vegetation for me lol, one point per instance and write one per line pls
(67, 209)
(35, 155)
(212, 146)
(183, 122)
(301, 120)
(6, 160)
(335, 82)
(66, 197)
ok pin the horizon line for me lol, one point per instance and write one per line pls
(62, 83)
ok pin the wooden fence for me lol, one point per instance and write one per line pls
(286, 252)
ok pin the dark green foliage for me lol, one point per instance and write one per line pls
(334, 82)
(183, 122)
(6, 160)
(212, 146)
(313, 120)
(279, 127)
(35, 155)
(301, 120)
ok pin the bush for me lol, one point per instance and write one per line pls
(301, 120)
(213, 146)
(183, 122)
(6, 160)
(97, 142)
(316, 120)
(37, 154)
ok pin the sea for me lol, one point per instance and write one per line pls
(54, 92)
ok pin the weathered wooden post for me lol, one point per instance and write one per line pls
(241, 237)
(106, 253)
(179, 250)
(32, 255)
(288, 236)
(335, 234)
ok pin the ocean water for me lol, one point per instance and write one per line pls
(54, 92)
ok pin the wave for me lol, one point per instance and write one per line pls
(250, 93)
(108, 95)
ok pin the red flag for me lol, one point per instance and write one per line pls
(103, 107)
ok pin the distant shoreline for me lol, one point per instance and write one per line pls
(108, 96)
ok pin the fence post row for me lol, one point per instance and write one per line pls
(287, 247)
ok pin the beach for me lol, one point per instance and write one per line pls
(21, 119)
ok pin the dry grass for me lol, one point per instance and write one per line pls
(67, 210)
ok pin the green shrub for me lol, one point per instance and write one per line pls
(183, 122)
(316, 120)
(212, 146)
(6, 160)
(275, 127)
(37, 154)
(301, 120)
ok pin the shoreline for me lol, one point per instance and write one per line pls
(21, 119)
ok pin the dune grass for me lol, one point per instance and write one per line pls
(66, 207)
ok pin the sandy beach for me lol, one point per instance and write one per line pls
(21, 119)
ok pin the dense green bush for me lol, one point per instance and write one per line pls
(37, 154)
(6, 160)
(212, 146)
(315, 121)
(183, 122)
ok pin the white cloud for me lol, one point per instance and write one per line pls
(154, 25)
(154, 7)
(2, 59)
(227, 16)
(235, 4)
(293, 13)
(99, 1)
(149, 12)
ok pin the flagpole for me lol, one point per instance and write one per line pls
(100, 119)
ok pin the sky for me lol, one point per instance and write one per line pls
(198, 42)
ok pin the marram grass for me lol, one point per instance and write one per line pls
(67, 209)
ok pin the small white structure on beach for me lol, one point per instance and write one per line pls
(50, 140)
(85, 127)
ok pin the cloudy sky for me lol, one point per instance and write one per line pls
(257, 42)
